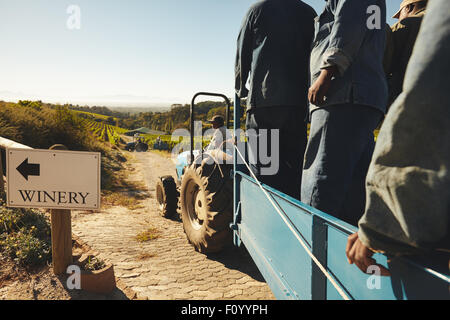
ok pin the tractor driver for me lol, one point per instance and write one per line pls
(220, 135)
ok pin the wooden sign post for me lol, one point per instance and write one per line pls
(61, 221)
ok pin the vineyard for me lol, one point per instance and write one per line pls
(171, 144)
(99, 127)
(104, 132)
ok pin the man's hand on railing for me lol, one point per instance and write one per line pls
(360, 255)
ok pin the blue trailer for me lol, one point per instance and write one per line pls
(299, 250)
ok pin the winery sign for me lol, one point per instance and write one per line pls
(53, 179)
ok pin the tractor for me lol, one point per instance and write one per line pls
(202, 194)
(137, 145)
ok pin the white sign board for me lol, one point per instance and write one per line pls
(53, 179)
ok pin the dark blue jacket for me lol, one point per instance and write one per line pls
(351, 35)
(274, 48)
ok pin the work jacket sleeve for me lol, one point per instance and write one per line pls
(347, 34)
(408, 184)
(244, 56)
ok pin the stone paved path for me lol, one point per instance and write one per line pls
(166, 268)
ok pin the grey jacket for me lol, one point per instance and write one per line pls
(274, 47)
(408, 184)
(343, 39)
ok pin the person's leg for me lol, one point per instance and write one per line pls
(289, 148)
(252, 134)
(340, 136)
(293, 140)
(355, 202)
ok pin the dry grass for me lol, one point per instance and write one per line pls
(120, 199)
(148, 235)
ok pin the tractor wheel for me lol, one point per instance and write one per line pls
(142, 147)
(167, 196)
(206, 206)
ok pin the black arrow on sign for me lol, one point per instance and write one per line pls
(26, 169)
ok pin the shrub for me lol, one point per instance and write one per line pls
(25, 248)
(24, 235)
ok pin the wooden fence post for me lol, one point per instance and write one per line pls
(61, 235)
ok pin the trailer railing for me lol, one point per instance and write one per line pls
(292, 274)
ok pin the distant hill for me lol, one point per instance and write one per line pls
(163, 119)
(175, 118)
(137, 110)
(102, 111)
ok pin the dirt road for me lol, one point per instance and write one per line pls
(166, 268)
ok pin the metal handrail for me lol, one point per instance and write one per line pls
(4, 145)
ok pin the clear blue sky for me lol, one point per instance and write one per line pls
(135, 51)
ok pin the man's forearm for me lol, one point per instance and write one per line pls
(330, 71)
